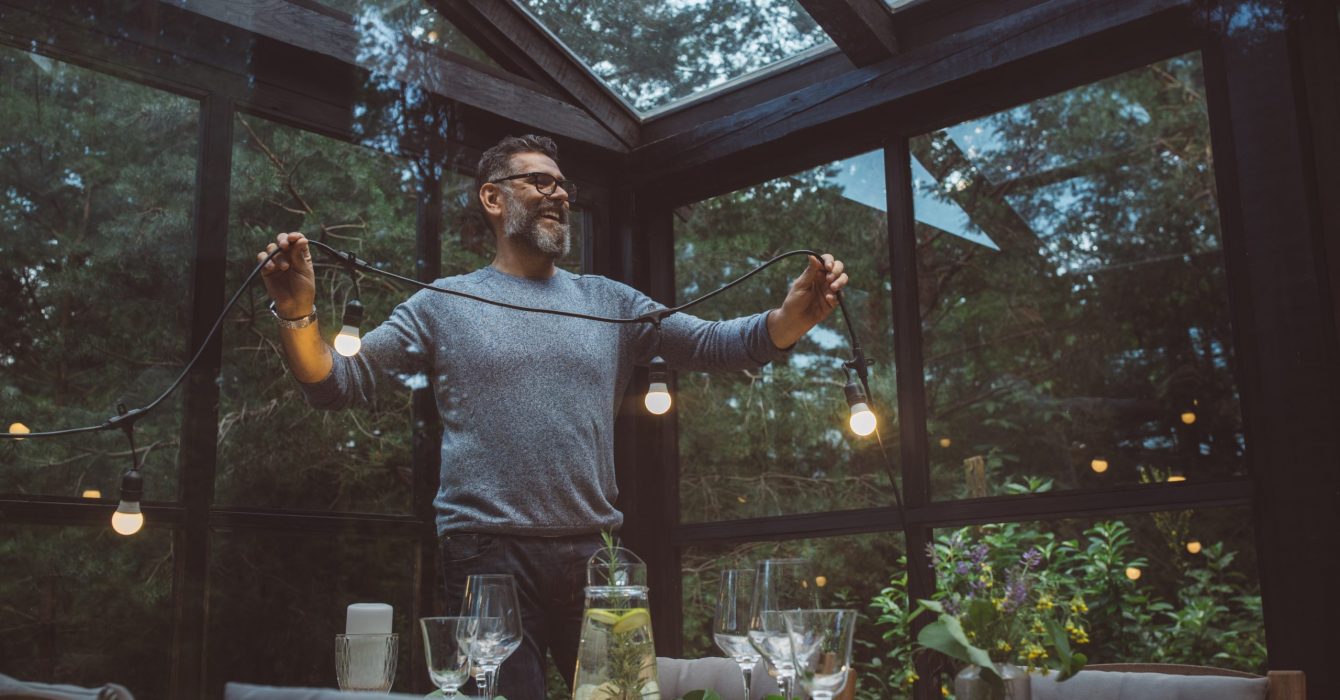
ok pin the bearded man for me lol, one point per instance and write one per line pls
(527, 400)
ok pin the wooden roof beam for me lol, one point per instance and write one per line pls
(458, 79)
(863, 29)
(509, 33)
(723, 153)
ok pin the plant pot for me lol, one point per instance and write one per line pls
(969, 684)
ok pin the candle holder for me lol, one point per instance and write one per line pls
(366, 662)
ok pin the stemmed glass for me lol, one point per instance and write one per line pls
(491, 600)
(730, 628)
(779, 585)
(821, 648)
(446, 643)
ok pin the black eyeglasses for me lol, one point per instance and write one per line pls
(544, 183)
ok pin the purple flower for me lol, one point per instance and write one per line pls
(979, 553)
(1032, 558)
(952, 607)
(962, 568)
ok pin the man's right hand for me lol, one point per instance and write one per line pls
(288, 277)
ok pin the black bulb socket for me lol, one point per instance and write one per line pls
(855, 394)
(132, 486)
(658, 370)
(353, 313)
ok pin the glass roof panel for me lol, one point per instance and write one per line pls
(655, 53)
(383, 21)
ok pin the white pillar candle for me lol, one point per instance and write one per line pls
(368, 618)
(368, 655)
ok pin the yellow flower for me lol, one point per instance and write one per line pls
(1004, 646)
(1077, 605)
(1038, 627)
(912, 677)
(1045, 603)
(944, 691)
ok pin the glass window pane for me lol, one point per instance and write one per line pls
(850, 571)
(1168, 587)
(95, 203)
(277, 600)
(776, 441)
(384, 24)
(1073, 295)
(86, 606)
(654, 53)
(274, 450)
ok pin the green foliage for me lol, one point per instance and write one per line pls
(1212, 615)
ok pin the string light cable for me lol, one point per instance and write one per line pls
(347, 342)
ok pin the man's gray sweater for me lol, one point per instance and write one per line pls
(528, 400)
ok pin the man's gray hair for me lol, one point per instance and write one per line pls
(498, 159)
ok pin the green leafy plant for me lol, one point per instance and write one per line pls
(1003, 608)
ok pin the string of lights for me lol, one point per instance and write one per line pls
(128, 519)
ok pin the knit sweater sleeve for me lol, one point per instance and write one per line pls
(687, 342)
(397, 352)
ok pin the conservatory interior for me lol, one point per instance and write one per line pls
(1089, 246)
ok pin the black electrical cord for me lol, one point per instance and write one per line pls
(126, 418)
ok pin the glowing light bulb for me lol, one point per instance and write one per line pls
(1188, 417)
(1098, 466)
(127, 520)
(862, 419)
(347, 342)
(1175, 477)
(1193, 546)
(658, 398)
(821, 581)
(658, 388)
(945, 442)
(19, 428)
(91, 493)
(1133, 573)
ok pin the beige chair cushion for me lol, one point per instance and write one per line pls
(16, 689)
(1114, 685)
(678, 676)
(245, 691)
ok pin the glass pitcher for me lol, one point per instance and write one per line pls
(617, 657)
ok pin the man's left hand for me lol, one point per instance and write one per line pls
(812, 298)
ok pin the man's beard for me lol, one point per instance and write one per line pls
(523, 225)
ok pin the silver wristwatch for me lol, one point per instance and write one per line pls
(293, 323)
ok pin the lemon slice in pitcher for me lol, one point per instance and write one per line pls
(632, 620)
(604, 617)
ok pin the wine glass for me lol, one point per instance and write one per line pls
(821, 648)
(730, 628)
(779, 584)
(447, 642)
(491, 600)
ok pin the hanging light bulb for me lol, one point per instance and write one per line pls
(862, 419)
(1133, 573)
(18, 429)
(1175, 475)
(658, 388)
(92, 493)
(1188, 417)
(1098, 465)
(347, 342)
(127, 520)
(1193, 547)
(945, 442)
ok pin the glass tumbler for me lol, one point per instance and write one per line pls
(366, 662)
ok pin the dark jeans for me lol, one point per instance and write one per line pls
(550, 575)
